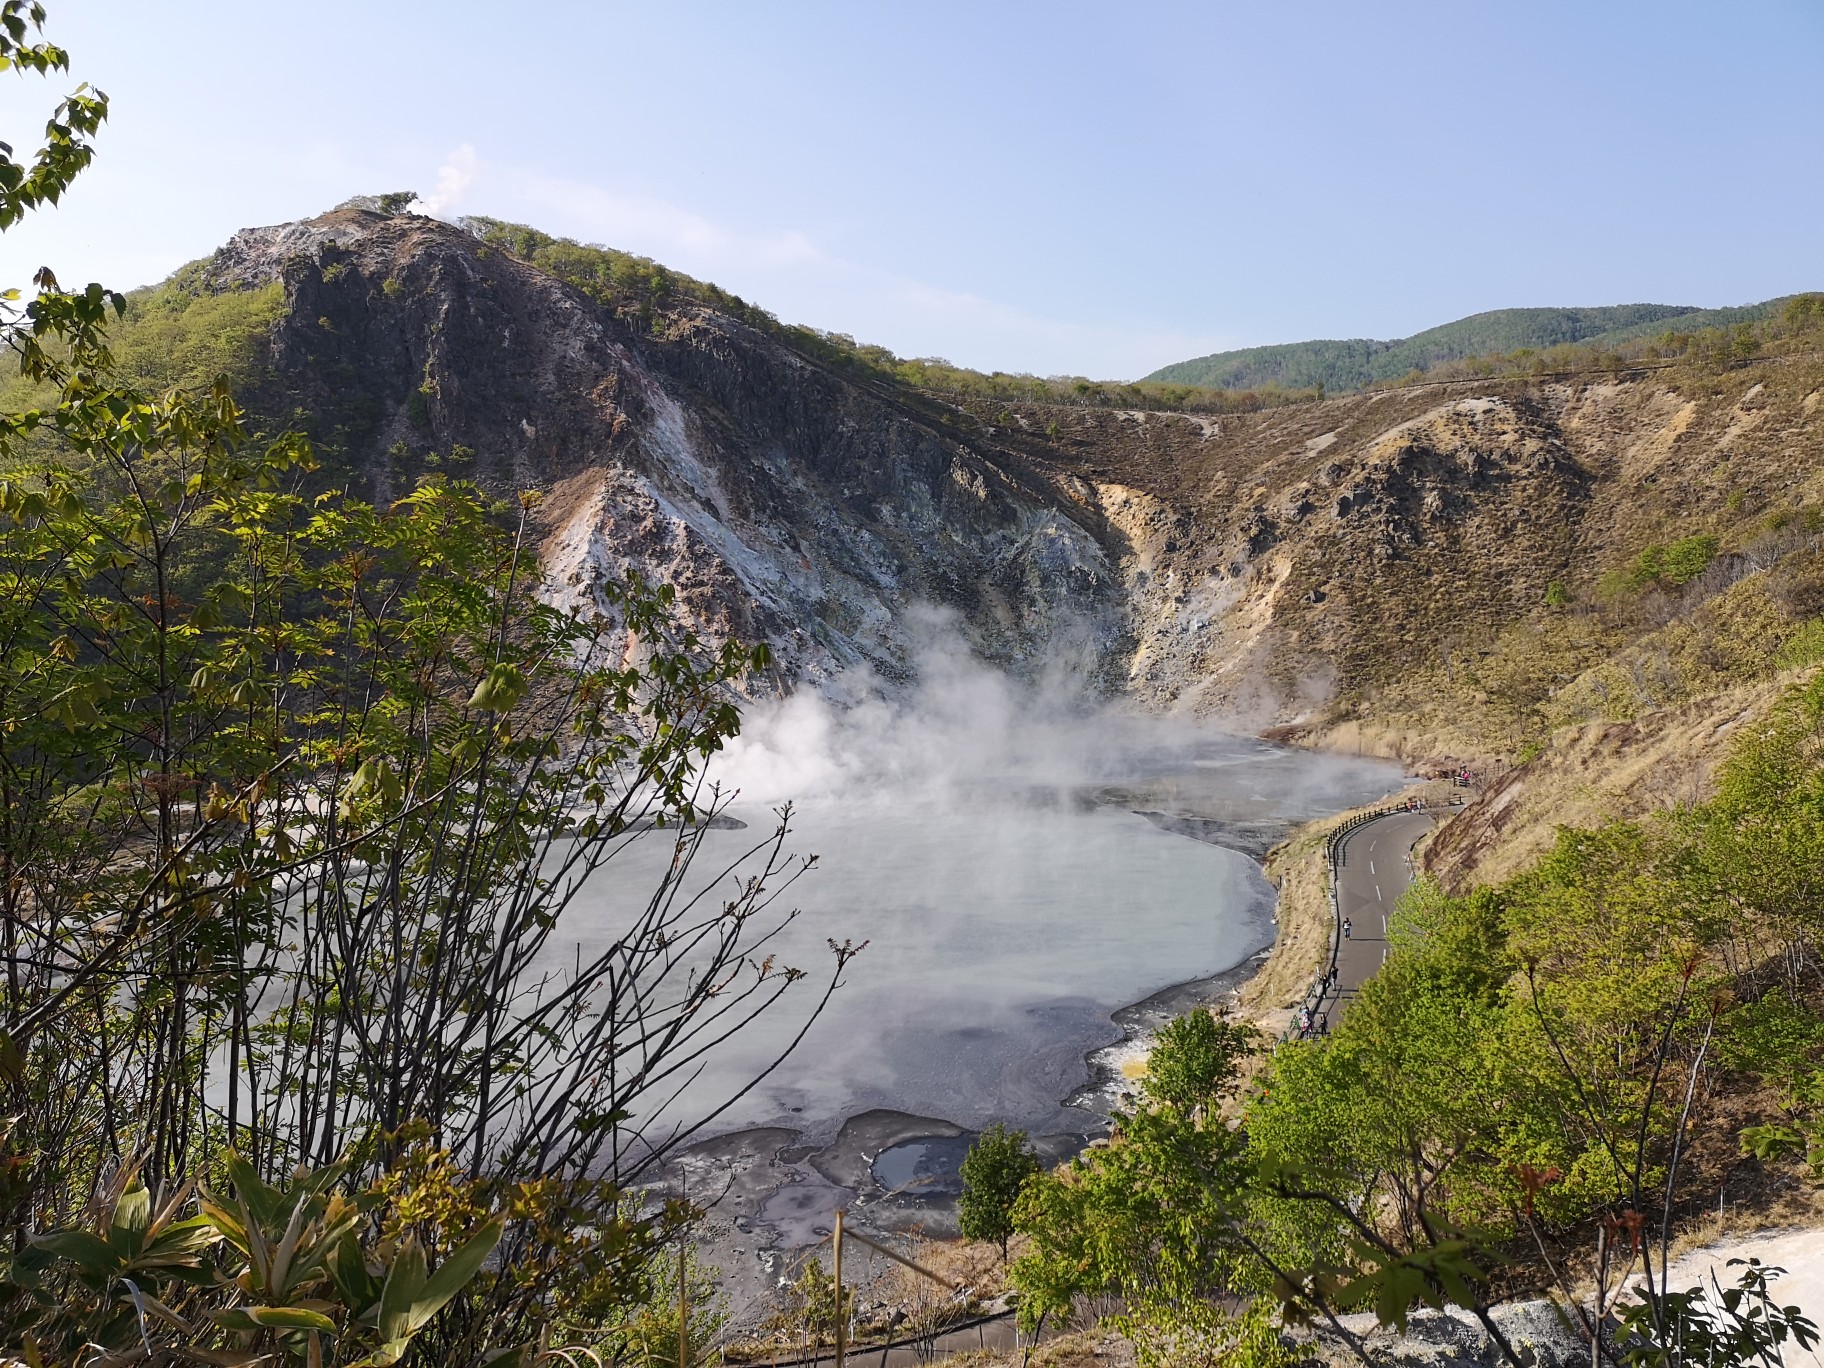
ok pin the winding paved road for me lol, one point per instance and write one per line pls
(1371, 873)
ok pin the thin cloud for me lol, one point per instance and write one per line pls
(787, 271)
(624, 219)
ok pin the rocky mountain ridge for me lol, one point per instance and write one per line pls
(1367, 568)
(784, 503)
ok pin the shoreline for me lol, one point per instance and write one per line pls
(1264, 988)
(778, 1186)
(1112, 1065)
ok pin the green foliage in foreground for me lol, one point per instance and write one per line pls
(1522, 1078)
(295, 792)
(280, 1244)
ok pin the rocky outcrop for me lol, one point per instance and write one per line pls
(1275, 569)
(785, 503)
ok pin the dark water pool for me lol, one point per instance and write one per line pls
(929, 1166)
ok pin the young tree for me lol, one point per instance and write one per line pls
(1193, 1060)
(995, 1169)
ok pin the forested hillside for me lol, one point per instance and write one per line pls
(1338, 366)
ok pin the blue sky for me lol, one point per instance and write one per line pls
(1060, 187)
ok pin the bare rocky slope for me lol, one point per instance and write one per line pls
(783, 502)
(1416, 571)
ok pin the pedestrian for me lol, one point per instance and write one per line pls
(1323, 1024)
(1348, 927)
(1304, 1021)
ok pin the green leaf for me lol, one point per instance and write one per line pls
(233, 600)
(455, 1273)
(500, 689)
(88, 1252)
(132, 1218)
(262, 1202)
(1771, 1141)
(348, 1269)
(385, 1356)
(589, 1123)
(274, 1318)
(404, 1282)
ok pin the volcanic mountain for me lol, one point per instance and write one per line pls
(1451, 567)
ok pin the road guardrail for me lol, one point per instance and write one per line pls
(1310, 1007)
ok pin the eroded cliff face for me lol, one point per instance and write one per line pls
(1374, 571)
(1328, 566)
(1300, 575)
(785, 503)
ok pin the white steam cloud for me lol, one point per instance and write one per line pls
(967, 732)
(971, 830)
(454, 179)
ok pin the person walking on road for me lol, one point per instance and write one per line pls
(1348, 928)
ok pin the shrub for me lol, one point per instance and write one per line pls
(994, 1170)
(1194, 1060)
(1663, 566)
(1803, 311)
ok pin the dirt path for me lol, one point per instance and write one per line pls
(1799, 1251)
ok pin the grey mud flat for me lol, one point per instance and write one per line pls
(772, 1195)
(772, 1200)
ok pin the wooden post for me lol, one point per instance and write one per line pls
(842, 1321)
(879, 1248)
(683, 1308)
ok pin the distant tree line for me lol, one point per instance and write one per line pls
(1713, 347)
(1342, 365)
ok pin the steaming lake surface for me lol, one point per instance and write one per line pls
(1005, 922)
